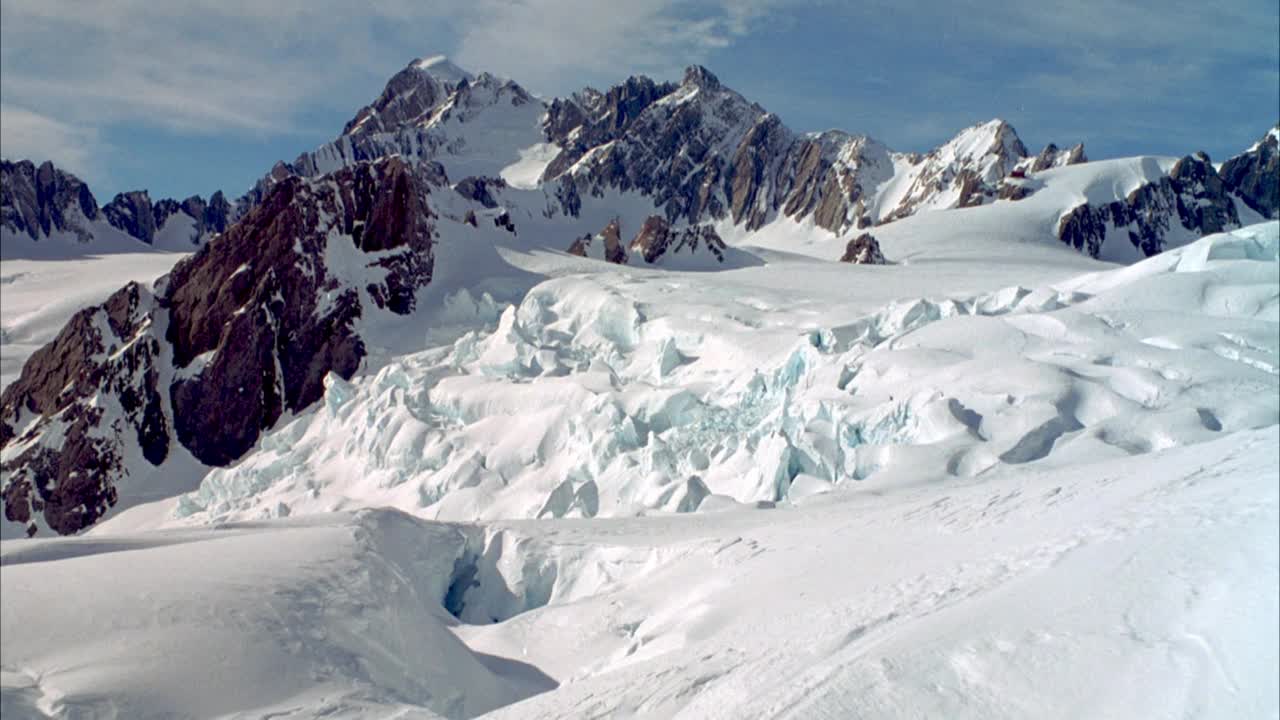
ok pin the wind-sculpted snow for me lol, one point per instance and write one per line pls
(593, 398)
(335, 617)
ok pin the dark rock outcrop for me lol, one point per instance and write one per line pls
(1051, 157)
(208, 218)
(503, 220)
(1203, 200)
(478, 189)
(610, 242)
(589, 119)
(37, 201)
(94, 394)
(1255, 175)
(410, 94)
(241, 332)
(1192, 195)
(863, 250)
(132, 213)
(657, 238)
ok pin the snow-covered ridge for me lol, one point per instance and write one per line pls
(699, 152)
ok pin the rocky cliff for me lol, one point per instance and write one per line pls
(241, 332)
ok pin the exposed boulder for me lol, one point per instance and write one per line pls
(657, 238)
(1014, 188)
(609, 242)
(241, 332)
(863, 250)
(477, 189)
(503, 220)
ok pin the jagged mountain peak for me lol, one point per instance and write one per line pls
(992, 137)
(441, 68)
(701, 77)
(1272, 138)
(416, 91)
(1254, 175)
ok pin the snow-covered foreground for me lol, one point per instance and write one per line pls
(38, 296)
(799, 490)
(1133, 587)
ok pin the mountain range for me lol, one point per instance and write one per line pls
(287, 285)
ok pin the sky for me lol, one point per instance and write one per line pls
(189, 97)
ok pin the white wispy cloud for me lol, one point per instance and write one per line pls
(557, 46)
(28, 134)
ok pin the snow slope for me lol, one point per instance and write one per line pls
(337, 616)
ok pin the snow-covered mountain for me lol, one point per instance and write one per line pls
(940, 493)
(638, 403)
(48, 212)
(698, 154)
(684, 176)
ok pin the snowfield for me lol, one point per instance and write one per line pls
(948, 487)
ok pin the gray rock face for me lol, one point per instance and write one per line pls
(589, 119)
(239, 333)
(700, 150)
(863, 250)
(37, 201)
(1052, 157)
(1255, 175)
(132, 213)
(409, 95)
(969, 167)
(1192, 195)
(209, 218)
(1203, 200)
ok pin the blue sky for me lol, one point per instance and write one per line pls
(189, 97)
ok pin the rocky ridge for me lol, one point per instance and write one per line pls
(39, 201)
(241, 332)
